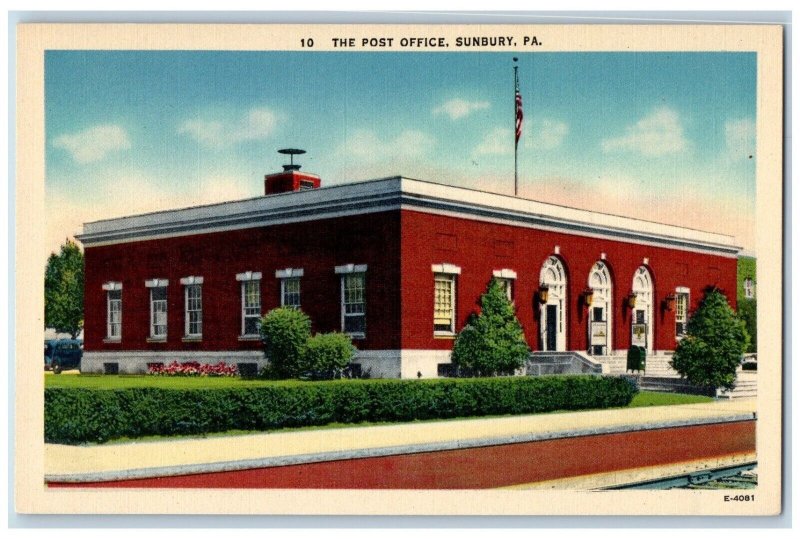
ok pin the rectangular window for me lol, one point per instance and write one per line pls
(508, 287)
(353, 304)
(505, 278)
(290, 292)
(158, 312)
(194, 310)
(444, 304)
(114, 325)
(681, 313)
(749, 289)
(251, 306)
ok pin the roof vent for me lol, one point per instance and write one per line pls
(291, 152)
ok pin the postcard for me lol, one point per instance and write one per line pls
(399, 269)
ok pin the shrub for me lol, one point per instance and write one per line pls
(326, 355)
(715, 340)
(493, 341)
(79, 415)
(285, 331)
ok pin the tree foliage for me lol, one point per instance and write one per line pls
(492, 342)
(326, 355)
(63, 290)
(747, 309)
(715, 341)
(285, 331)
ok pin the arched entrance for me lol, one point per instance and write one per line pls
(599, 317)
(552, 315)
(642, 311)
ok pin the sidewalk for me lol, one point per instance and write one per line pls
(204, 455)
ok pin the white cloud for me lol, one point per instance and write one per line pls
(498, 141)
(365, 145)
(460, 108)
(546, 134)
(740, 138)
(660, 133)
(127, 191)
(94, 143)
(256, 124)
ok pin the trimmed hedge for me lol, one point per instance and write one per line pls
(77, 415)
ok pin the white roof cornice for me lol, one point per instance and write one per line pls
(393, 194)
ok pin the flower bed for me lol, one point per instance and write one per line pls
(192, 368)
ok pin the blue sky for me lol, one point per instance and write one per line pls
(662, 136)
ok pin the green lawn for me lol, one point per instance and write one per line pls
(105, 381)
(652, 398)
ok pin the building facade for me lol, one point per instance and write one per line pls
(397, 263)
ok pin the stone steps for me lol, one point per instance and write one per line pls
(671, 385)
(746, 387)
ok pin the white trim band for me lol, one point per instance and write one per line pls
(681, 290)
(399, 193)
(288, 273)
(249, 276)
(446, 268)
(112, 285)
(505, 273)
(191, 280)
(156, 283)
(351, 268)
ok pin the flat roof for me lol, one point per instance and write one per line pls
(398, 192)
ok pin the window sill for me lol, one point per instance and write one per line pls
(112, 341)
(156, 339)
(192, 338)
(444, 335)
(249, 337)
(357, 336)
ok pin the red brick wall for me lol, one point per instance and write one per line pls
(473, 245)
(316, 247)
(376, 240)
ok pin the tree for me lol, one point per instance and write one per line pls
(747, 309)
(285, 332)
(63, 290)
(712, 349)
(492, 342)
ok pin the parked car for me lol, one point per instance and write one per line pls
(60, 354)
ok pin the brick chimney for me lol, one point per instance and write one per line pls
(291, 179)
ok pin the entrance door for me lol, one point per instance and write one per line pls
(551, 327)
(600, 312)
(552, 314)
(598, 316)
(642, 315)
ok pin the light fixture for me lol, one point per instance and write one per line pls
(544, 292)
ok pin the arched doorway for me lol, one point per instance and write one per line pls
(599, 317)
(552, 315)
(642, 311)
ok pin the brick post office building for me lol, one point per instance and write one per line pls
(397, 263)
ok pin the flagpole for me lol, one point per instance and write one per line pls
(516, 106)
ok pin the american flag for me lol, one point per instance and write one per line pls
(518, 100)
